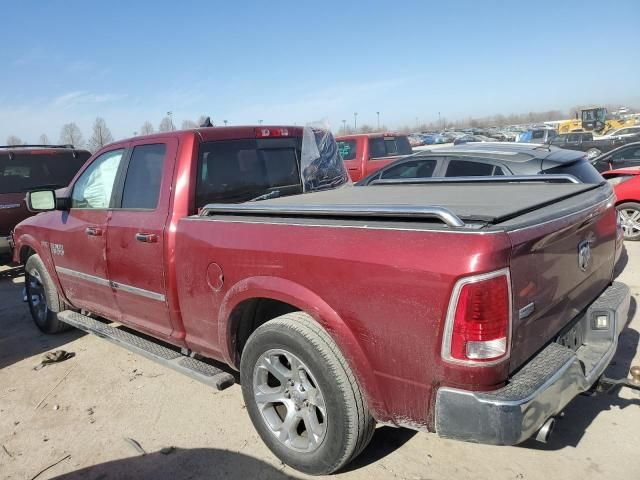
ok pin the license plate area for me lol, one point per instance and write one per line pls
(573, 336)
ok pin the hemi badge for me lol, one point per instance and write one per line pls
(8, 206)
(524, 312)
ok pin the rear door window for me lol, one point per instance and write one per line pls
(233, 171)
(630, 156)
(144, 175)
(466, 168)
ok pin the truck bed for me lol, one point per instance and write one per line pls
(486, 203)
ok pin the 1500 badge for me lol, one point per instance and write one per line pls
(57, 249)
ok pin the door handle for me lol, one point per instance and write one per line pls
(93, 231)
(147, 237)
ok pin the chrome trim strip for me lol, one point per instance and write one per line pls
(138, 291)
(550, 178)
(84, 276)
(115, 285)
(8, 206)
(402, 211)
(469, 228)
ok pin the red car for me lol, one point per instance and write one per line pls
(442, 308)
(30, 167)
(365, 153)
(626, 183)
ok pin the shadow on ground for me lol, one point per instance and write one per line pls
(385, 441)
(19, 337)
(580, 413)
(182, 464)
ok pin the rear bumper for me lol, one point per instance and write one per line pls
(542, 388)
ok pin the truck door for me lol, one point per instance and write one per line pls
(78, 245)
(135, 236)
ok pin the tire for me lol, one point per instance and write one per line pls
(346, 426)
(42, 297)
(630, 218)
(593, 153)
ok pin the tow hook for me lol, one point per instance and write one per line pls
(606, 385)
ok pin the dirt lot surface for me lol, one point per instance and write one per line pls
(80, 412)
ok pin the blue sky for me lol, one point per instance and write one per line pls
(296, 62)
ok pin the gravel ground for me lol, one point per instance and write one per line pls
(82, 411)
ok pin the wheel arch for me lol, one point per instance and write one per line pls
(294, 297)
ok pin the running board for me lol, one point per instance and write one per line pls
(196, 369)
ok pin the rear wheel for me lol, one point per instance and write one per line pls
(42, 297)
(302, 397)
(593, 153)
(630, 219)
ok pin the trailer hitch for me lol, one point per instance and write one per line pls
(607, 385)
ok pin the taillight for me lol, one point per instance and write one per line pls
(478, 324)
(271, 132)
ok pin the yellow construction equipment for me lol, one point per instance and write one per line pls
(594, 119)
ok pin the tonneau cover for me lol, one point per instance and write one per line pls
(493, 203)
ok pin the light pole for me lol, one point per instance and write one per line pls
(344, 127)
(225, 122)
(439, 121)
(170, 115)
(259, 122)
(355, 122)
(378, 114)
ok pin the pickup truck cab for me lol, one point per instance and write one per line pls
(440, 308)
(30, 167)
(363, 154)
(585, 142)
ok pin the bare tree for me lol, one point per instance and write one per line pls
(101, 135)
(189, 124)
(147, 128)
(44, 140)
(365, 128)
(12, 140)
(71, 135)
(166, 125)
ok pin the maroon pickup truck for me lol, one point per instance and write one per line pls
(440, 308)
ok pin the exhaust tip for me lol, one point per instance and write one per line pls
(545, 431)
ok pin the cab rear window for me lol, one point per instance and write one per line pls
(380, 147)
(233, 171)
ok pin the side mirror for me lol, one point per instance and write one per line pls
(41, 201)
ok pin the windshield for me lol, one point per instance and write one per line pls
(24, 171)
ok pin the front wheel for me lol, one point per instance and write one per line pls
(630, 219)
(302, 397)
(42, 297)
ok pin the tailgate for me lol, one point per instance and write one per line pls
(558, 268)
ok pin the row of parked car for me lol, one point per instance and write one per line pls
(374, 158)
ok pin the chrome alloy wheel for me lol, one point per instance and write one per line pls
(289, 400)
(630, 221)
(36, 296)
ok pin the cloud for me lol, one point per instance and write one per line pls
(81, 97)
